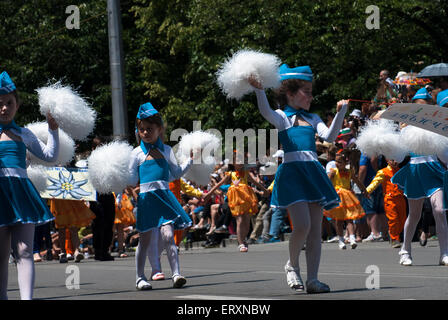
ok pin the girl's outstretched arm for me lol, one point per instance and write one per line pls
(263, 105)
(330, 134)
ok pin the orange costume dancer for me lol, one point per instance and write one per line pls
(124, 217)
(176, 187)
(124, 213)
(241, 197)
(394, 201)
(72, 215)
(350, 207)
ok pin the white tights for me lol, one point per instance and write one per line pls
(415, 212)
(147, 239)
(151, 244)
(166, 241)
(20, 238)
(307, 224)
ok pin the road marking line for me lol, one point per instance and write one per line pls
(363, 274)
(210, 297)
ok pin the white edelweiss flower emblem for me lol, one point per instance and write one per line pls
(67, 186)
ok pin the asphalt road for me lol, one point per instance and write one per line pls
(369, 272)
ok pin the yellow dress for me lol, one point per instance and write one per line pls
(350, 208)
(70, 213)
(125, 214)
(241, 197)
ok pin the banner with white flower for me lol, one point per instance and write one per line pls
(69, 184)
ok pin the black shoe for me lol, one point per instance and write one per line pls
(107, 257)
(49, 255)
(251, 241)
(423, 242)
(211, 245)
(98, 257)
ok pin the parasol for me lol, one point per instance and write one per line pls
(435, 70)
(411, 79)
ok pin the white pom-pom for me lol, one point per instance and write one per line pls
(204, 146)
(38, 176)
(381, 138)
(233, 74)
(422, 141)
(108, 167)
(66, 145)
(72, 112)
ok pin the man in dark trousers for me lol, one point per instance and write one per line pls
(102, 225)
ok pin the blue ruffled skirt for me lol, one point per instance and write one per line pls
(303, 181)
(20, 202)
(159, 207)
(420, 180)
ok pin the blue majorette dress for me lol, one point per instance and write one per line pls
(20, 202)
(156, 204)
(301, 177)
(421, 177)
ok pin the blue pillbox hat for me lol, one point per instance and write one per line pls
(442, 98)
(6, 84)
(146, 110)
(302, 73)
(422, 94)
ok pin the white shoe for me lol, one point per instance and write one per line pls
(143, 284)
(444, 260)
(179, 281)
(333, 240)
(373, 238)
(370, 238)
(405, 258)
(342, 245)
(293, 277)
(353, 244)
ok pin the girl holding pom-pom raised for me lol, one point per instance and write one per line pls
(301, 184)
(152, 165)
(21, 206)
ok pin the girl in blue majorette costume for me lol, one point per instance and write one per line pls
(424, 176)
(301, 184)
(21, 206)
(153, 165)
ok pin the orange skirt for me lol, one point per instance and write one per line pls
(125, 215)
(349, 209)
(242, 199)
(71, 213)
